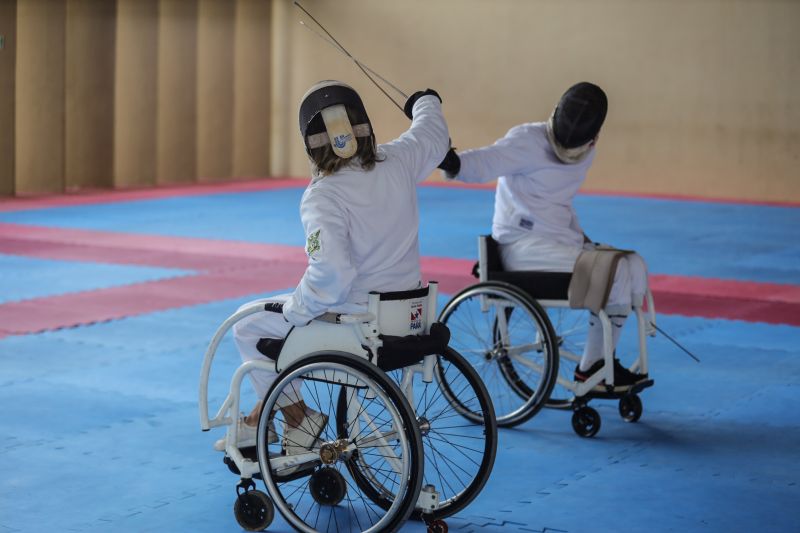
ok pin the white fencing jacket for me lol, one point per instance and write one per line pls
(362, 226)
(533, 214)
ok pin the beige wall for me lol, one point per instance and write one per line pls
(176, 95)
(703, 97)
(703, 94)
(40, 106)
(89, 94)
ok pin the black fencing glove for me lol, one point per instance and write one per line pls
(451, 163)
(416, 96)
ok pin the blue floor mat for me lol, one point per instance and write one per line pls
(90, 409)
(100, 423)
(744, 242)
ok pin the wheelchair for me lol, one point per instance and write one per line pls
(517, 329)
(395, 445)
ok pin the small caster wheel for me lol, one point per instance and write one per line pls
(327, 486)
(253, 510)
(437, 526)
(630, 408)
(586, 422)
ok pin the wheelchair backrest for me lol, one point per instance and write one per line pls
(405, 312)
(488, 257)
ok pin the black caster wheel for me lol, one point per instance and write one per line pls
(253, 510)
(586, 422)
(630, 408)
(327, 486)
(437, 526)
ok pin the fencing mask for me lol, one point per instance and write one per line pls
(576, 121)
(324, 118)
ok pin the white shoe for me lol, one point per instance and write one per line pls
(302, 438)
(247, 436)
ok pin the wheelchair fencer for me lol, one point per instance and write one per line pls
(518, 328)
(392, 447)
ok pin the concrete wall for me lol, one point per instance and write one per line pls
(703, 97)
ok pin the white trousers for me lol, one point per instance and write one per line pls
(534, 253)
(248, 331)
(628, 288)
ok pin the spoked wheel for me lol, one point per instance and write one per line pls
(253, 510)
(630, 408)
(586, 422)
(506, 336)
(571, 327)
(316, 490)
(459, 431)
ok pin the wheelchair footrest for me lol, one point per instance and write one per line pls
(251, 453)
(637, 388)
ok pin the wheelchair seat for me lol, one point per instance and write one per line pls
(539, 285)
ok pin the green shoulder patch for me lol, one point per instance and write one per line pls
(312, 243)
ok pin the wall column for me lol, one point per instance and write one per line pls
(283, 15)
(252, 77)
(135, 93)
(90, 93)
(215, 89)
(39, 124)
(8, 59)
(177, 91)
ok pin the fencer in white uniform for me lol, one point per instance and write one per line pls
(360, 217)
(540, 167)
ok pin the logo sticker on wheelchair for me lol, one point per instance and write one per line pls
(416, 316)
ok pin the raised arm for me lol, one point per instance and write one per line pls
(425, 143)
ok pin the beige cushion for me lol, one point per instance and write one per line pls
(592, 277)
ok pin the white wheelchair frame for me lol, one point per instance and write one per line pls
(646, 327)
(357, 334)
(354, 334)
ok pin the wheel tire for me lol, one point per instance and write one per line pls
(397, 510)
(253, 510)
(630, 408)
(486, 419)
(327, 486)
(532, 393)
(586, 422)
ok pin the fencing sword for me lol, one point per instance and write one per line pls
(676, 343)
(331, 40)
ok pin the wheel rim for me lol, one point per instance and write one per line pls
(357, 512)
(459, 430)
(571, 327)
(517, 373)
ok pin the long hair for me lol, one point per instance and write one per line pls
(325, 162)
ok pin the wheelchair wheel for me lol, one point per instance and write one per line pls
(253, 510)
(506, 336)
(307, 488)
(571, 327)
(459, 430)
